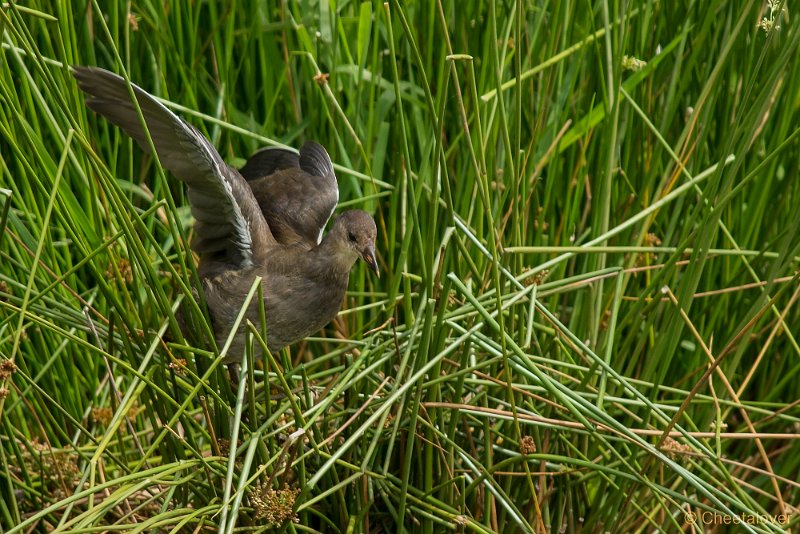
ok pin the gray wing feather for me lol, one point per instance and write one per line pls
(314, 159)
(228, 219)
(269, 160)
(298, 201)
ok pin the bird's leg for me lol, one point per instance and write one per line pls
(233, 373)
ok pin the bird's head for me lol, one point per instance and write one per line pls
(355, 234)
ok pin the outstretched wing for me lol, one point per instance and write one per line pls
(229, 223)
(297, 200)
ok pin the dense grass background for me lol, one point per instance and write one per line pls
(587, 321)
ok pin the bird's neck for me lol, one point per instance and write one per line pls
(335, 256)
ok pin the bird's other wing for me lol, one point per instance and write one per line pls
(314, 159)
(269, 160)
(229, 223)
(297, 202)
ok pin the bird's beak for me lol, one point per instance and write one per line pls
(368, 255)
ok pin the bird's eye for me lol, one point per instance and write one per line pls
(351, 236)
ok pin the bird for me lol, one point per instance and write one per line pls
(264, 220)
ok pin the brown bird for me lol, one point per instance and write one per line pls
(264, 220)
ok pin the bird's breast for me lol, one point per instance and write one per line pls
(299, 300)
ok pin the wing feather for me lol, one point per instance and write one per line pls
(228, 219)
(297, 201)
